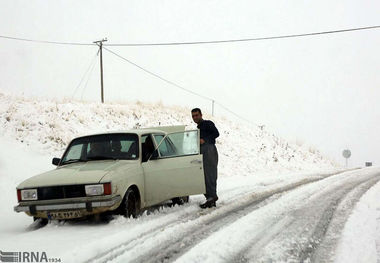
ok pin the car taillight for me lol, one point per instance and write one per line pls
(107, 189)
(18, 195)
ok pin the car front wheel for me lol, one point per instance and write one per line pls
(130, 204)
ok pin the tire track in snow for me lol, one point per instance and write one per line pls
(119, 249)
(321, 231)
(194, 228)
(325, 251)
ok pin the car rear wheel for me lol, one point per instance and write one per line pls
(130, 204)
(180, 200)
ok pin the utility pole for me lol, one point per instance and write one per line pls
(213, 102)
(100, 44)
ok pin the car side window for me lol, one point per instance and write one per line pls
(179, 144)
(165, 148)
(158, 138)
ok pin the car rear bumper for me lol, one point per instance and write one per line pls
(89, 206)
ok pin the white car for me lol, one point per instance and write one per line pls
(123, 172)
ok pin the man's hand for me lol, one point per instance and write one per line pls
(202, 141)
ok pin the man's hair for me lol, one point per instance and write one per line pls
(196, 110)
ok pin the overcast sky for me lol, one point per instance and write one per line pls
(321, 90)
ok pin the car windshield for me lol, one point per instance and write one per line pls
(102, 147)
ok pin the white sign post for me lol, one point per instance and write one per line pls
(346, 154)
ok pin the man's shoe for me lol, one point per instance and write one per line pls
(207, 204)
(210, 202)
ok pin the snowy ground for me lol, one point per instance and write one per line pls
(278, 217)
(269, 210)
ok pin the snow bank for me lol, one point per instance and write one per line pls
(17, 163)
(360, 241)
(243, 149)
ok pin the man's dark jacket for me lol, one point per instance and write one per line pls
(208, 131)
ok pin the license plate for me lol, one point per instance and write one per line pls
(64, 214)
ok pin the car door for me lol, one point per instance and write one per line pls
(177, 169)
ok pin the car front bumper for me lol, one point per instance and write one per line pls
(84, 207)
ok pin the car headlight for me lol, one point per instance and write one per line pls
(29, 194)
(95, 189)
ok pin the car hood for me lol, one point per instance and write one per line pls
(76, 173)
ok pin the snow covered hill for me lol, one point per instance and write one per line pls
(244, 149)
(267, 209)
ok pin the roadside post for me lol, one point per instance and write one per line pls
(346, 154)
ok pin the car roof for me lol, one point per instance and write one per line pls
(133, 131)
(141, 131)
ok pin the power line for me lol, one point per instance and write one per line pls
(85, 73)
(180, 87)
(235, 114)
(48, 42)
(187, 43)
(88, 78)
(158, 76)
(195, 42)
(246, 39)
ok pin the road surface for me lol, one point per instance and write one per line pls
(297, 222)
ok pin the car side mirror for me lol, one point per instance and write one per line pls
(56, 161)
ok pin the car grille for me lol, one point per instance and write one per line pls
(59, 192)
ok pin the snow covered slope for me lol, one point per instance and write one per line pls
(254, 164)
(243, 149)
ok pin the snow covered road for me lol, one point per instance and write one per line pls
(298, 222)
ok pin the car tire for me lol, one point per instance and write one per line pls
(180, 200)
(40, 221)
(130, 204)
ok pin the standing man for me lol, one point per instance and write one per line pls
(208, 134)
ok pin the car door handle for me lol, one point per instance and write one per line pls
(196, 161)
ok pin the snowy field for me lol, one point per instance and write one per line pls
(279, 202)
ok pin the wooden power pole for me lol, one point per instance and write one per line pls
(100, 44)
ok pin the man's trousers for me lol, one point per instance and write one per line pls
(210, 166)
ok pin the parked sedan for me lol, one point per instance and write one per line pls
(122, 172)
